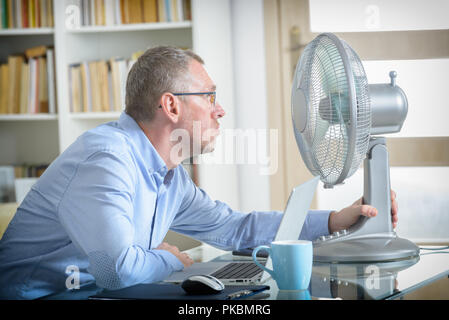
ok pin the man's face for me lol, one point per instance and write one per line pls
(199, 116)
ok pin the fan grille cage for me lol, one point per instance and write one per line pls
(329, 134)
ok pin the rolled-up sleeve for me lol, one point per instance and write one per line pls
(96, 211)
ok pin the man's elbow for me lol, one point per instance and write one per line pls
(103, 268)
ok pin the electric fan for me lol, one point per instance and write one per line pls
(335, 112)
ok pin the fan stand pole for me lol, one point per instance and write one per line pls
(369, 239)
(376, 189)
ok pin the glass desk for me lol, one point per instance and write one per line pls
(378, 281)
(374, 281)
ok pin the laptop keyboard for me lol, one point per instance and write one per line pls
(238, 270)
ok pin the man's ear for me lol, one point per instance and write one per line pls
(170, 106)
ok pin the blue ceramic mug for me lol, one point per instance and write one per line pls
(292, 263)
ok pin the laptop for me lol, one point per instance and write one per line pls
(247, 272)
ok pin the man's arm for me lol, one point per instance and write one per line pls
(215, 223)
(97, 210)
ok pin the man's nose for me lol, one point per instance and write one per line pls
(218, 111)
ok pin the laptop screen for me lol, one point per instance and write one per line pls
(294, 216)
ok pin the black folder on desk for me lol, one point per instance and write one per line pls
(174, 292)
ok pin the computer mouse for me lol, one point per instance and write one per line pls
(202, 284)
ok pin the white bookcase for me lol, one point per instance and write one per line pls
(41, 138)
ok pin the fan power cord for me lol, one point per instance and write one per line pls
(435, 249)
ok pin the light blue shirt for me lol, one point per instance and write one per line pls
(105, 204)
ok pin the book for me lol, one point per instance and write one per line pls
(115, 85)
(24, 88)
(100, 19)
(149, 11)
(95, 87)
(187, 10)
(118, 15)
(15, 73)
(51, 81)
(92, 12)
(102, 73)
(110, 89)
(109, 6)
(37, 13)
(50, 17)
(18, 13)
(86, 87)
(174, 10)
(25, 18)
(33, 86)
(75, 83)
(43, 86)
(4, 14)
(180, 5)
(43, 13)
(168, 11)
(31, 14)
(123, 73)
(135, 11)
(9, 8)
(161, 13)
(4, 89)
(35, 52)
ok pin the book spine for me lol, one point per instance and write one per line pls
(51, 81)
(4, 89)
(43, 13)
(32, 85)
(31, 15)
(50, 18)
(37, 12)
(10, 14)
(168, 11)
(18, 11)
(25, 20)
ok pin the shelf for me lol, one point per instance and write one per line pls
(95, 115)
(133, 27)
(25, 31)
(28, 117)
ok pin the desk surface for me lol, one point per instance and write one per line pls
(390, 280)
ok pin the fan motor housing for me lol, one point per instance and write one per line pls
(389, 107)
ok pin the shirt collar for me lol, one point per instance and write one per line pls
(152, 158)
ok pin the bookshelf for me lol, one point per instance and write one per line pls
(133, 27)
(95, 115)
(40, 138)
(25, 31)
(28, 117)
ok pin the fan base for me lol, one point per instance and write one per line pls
(365, 249)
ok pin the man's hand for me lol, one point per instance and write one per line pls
(348, 216)
(183, 257)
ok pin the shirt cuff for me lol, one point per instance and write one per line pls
(171, 260)
(316, 225)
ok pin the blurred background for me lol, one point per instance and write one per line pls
(63, 66)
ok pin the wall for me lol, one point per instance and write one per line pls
(250, 102)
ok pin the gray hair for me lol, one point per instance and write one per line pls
(159, 70)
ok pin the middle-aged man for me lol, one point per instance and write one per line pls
(104, 206)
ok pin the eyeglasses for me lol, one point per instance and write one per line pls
(212, 95)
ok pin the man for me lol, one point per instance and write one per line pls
(104, 206)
